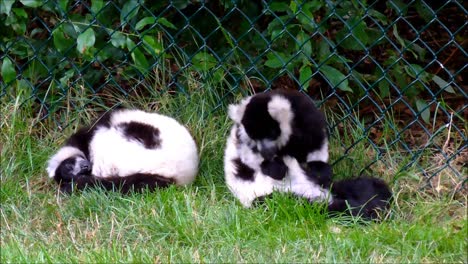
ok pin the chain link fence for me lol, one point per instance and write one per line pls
(394, 69)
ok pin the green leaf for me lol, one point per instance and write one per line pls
(32, 3)
(118, 40)
(397, 36)
(274, 60)
(144, 22)
(276, 34)
(35, 70)
(20, 12)
(336, 78)
(129, 10)
(35, 31)
(384, 88)
(313, 6)
(418, 51)
(423, 109)
(417, 71)
(96, 6)
(152, 45)
(399, 6)
(375, 36)
(278, 7)
(353, 35)
(323, 50)
(306, 18)
(203, 61)
(63, 4)
(218, 75)
(180, 4)
(85, 40)
(276, 27)
(303, 43)
(8, 70)
(130, 44)
(61, 41)
(380, 17)
(163, 21)
(304, 77)
(293, 6)
(443, 84)
(423, 11)
(413, 70)
(66, 77)
(140, 60)
(5, 7)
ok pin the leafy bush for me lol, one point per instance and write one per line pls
(349, 45)
(319, 37)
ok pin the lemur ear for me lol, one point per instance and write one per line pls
(279, 109)
(64, 153)
(233, 112)
(236, 111)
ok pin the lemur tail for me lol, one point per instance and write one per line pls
(363, 196)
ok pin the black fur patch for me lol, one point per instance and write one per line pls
(319, 172)
(65, 171)
(364, 196)
(136, 183)
(146, 134)
(308, 124)
(83, 136)
(257, 121)
(243, 171)
(260, 201)
(239, 141)
(238, 137)
(81, 140)
(275, 168)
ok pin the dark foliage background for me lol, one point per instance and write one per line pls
(395, 68)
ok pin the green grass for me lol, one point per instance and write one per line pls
(203, 222)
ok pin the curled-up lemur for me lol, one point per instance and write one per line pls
(279, 142)
(126, 150)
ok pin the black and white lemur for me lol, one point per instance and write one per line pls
(279, 142)
(126, 150)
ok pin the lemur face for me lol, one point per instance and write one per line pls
(72, 167)
(265, 122)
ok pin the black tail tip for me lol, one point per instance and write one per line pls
(365, 197)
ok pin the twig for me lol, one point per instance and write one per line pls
(441, 65)
(444, 148)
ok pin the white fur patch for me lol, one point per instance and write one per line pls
(78, 166)
(266, 143)
(112, 154)
(236, 111)
(301, 186)
(319, 155)
(280, 109)
(245, 191)
(63, 154)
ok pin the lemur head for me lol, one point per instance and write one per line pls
(264, 121)
(68, 163)
(73, 167)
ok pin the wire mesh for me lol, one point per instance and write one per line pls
(395, 68)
